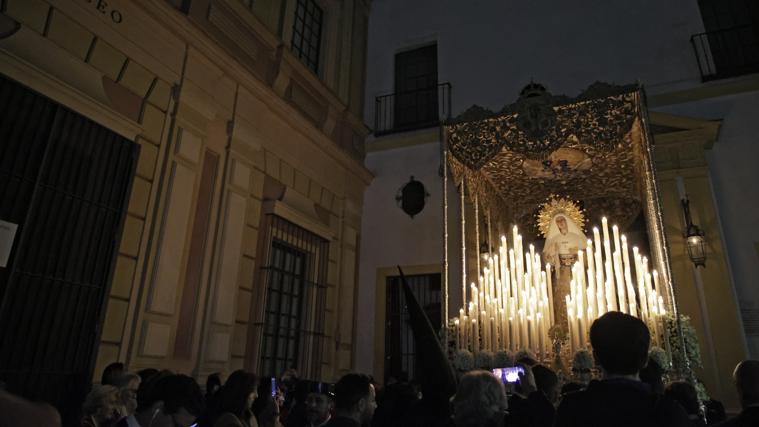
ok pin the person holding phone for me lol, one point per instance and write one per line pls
(268, 404)
(520, 391)
(232, 403)
(541, 403)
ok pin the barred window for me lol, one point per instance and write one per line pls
(307, 33)
(295, 273)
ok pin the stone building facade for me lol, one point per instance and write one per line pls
(245, 141)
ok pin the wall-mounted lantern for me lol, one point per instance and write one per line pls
(694, 237)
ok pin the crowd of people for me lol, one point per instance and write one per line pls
(630, 392)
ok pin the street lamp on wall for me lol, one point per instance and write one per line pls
(694, 237)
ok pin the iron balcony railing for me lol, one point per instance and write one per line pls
(411, 110)
(727, 53)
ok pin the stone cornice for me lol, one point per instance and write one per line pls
(742, 84)
(684, 148)
(690, 130)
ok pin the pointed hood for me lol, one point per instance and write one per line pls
(434, 370)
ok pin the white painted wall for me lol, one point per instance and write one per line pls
(390, 237)
(488, 50)
(735, 180)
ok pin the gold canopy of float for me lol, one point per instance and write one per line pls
(593, 150)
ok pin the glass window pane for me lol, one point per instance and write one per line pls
(307, 26)
(286, 308)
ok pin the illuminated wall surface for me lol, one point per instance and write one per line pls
(705, 138)
(233, 130)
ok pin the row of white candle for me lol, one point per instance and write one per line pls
(594, 290)
(512, 308)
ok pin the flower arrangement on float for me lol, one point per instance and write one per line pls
(689, 339)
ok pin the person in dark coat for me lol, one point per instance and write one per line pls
(685, 394)
(620, 346)
(434, 373)
(355, 401)
(17, 411)
(319, 406)
(394, 406)
(746, 378)
(715, 412)
(519, 405)
(652, 374)
(541, 403)
(537, 408)
(112, 373)
(213, 384)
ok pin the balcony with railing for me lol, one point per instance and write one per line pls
(727, 53)
(412, 110)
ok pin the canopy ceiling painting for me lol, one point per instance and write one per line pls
(589, 148)
(594, 149)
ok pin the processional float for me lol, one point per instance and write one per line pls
(549, 166)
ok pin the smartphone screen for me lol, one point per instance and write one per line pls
(509, 375)
(273, 387)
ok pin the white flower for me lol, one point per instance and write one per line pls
(463, 360)
(525, 355)
(582, 361)
(503, 359)
(483, 360)
(658, 355)
(689, 338)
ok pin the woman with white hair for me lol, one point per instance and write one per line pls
(480, 401)
(103, 407)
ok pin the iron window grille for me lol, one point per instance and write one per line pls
(295, 273)
(386, 111)
(307, 33)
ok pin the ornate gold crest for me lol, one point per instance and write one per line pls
(556, 205)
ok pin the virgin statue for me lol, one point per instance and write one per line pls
(564, 238)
